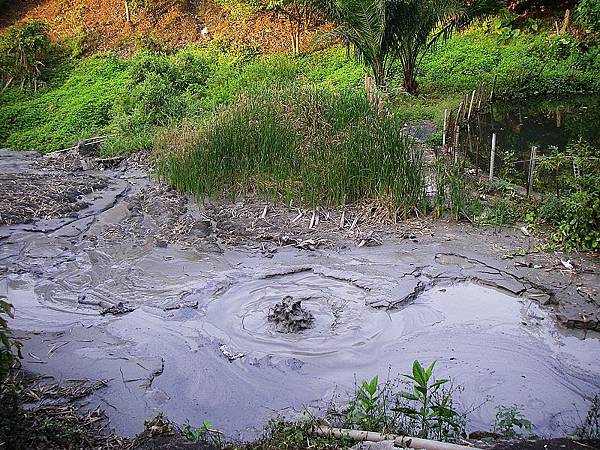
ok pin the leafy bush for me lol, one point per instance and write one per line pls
(509, 418)
(575, 209)
(579, 227)
(161, 88)
(10, 348)
(24, 51)
(240, 9)
(526, 64)
(588, 14)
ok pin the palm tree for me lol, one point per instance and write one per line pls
(386, 31)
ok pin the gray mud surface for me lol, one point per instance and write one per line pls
(142, 290)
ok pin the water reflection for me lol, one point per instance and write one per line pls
(548, 124)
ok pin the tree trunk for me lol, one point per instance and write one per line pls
(127, 15)
(410, 79)
(379, 74)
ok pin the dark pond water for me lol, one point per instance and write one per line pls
(519, 125)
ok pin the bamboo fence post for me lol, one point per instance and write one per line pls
(566, 22)
(445, 128)
(492, 157)
(127, 15)
(531, 170)
(493, 90)
(456, 140)
(471, 105)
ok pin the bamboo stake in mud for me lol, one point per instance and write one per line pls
(445, 128)
(343, 217)
(457, 120)
(456, 141)
(493, 90)
(471, 105)
(492, 157)
(531, 170)
(566, 22)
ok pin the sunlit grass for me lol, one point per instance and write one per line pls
(307, 144)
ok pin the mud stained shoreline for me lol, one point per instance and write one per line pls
(131, 283)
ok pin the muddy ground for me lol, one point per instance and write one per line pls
(119, 279)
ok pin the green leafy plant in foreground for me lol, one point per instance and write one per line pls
(510, 422)
(425, 410)
(590, 426)
(204, 433)
(430, 406)
(10, 348)
(364, 407)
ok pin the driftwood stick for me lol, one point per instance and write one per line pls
(400, 441)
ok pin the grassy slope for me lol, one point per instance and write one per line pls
(77, 103)
(80, 98)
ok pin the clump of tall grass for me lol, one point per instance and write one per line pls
(451, 191)
(306, 144)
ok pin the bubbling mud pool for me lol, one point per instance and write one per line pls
(375, 310)
(502, 348)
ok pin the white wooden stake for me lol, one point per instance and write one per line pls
(471, 106)
(492, 157)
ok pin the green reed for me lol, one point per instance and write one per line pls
(308, 144)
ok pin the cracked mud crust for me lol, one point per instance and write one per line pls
(49, 187)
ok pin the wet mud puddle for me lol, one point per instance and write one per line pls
(176, 323)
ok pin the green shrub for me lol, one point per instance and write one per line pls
(579, 227)
(10, 348)
(527, 64)
(24, 52)
(588, 14)
(551, 210)
(509, 418)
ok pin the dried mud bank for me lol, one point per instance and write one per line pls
(123, 281)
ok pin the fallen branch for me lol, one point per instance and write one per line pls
(401, 441)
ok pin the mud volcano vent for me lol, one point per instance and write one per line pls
(288, 316)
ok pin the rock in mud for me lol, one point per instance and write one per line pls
(117, 310)
(289, 316)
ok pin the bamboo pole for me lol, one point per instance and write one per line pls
(127, 15)
(445, 128)
(471, 105)
(566, 22)
(493, 90)
(492, 157)
(531, 170)
(399, 441)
